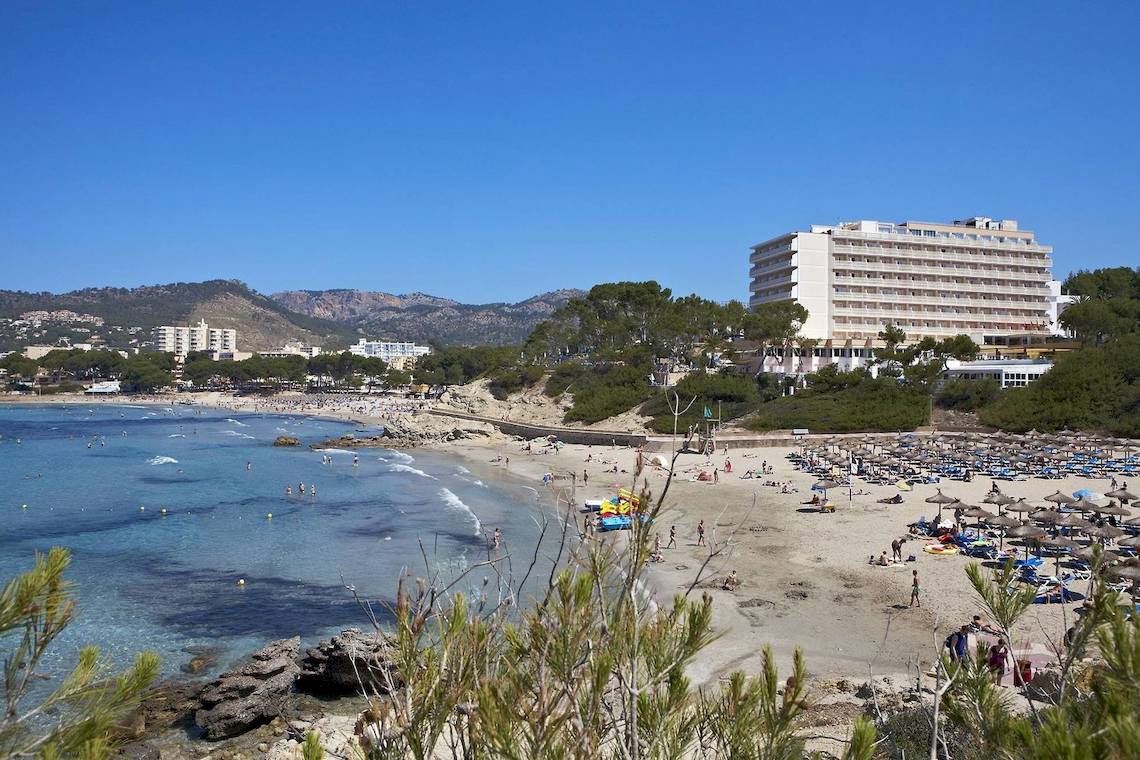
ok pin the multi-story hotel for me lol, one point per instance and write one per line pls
(389, 350)
(980, 277)
(200, 337)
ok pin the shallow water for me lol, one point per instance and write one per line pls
(95, 479)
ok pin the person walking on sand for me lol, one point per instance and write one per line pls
(914, 589)
(672, 537)
(585, 478)
(701, 533)
(896, 549)
(716, 476)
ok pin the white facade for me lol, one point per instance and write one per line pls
(1058, 302)
(978, 277)
(1011, 373)
(388, 350)
(180, 340)
(293, 349)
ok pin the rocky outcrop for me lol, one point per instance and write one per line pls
(253, 693)
(419, 429)
(336, 735)
(342, 664)
(286, 440)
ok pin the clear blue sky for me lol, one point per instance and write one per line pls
(489, 151)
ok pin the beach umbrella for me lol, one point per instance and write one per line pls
(1060, 498)
(1128, 572)
(1105, 531)
(1074, 520)
(1115, 509)
(1059, 545)
(1132, 542)
(1003, 521)
(979, 514)
(1021, 505)
(1087, 554)
(1122, 494)
(1026, 532)
(1050, 516)
(940, 499)
(1084, 505)
(1133, 521)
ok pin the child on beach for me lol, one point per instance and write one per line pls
(914, 589)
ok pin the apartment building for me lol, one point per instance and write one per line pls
(980, 277)
(389, 350)
(181, 340)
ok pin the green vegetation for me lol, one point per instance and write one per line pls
(965, 395)
(846, 402)
(1109, 305)
(1096, 388)
(600, 390)
(729, 395)
(35, 608)
(457, 365)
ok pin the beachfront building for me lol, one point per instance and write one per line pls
(181, 340)
(389, 351)
(1011, 373)
(980, 277)
(293, 349)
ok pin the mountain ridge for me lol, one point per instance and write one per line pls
(425, 317)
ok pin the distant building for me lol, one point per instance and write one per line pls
(1011, 373)
(39, 352)
(388, 350)
(979, 277)
(1058, 302)
(293, 349)
(180, 341)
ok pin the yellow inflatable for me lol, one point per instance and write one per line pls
(940, 549)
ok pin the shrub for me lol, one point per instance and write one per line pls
(605, 390)
(964, 395)
(738, 395)
(513, 379)
(871, 406)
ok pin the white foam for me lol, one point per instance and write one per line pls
(405, 468)
(399, 456)
(237, 434)
(479, 483)
(462, 470)
(176, 435)
(162, 460)
(239, 424)
(337, 451)
(454, 502)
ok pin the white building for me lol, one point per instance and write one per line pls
(389, 350)
(1011, 373)
(979, 277)
(1058, 302)
(180, 340)
(293, 349)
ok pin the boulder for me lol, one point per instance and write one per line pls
(336, 735)
(286, 440)
(339, 665)
(255, 692)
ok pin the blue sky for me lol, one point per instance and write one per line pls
(490, 151)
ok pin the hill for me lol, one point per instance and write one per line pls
(422, 317)
(261, 322)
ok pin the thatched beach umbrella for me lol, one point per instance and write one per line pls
(1122, 494)
(1073, 520)
(1105, 531)
(1060, 498)
(1049, 516)
(1004, 522)
(1022, 506)
(941, 500)
(1133, 542)
(1088, 553)
(1127, 572)
(1026, 532)
(1084, 504)
(1115, 509)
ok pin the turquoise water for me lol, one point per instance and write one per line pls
(169, 582)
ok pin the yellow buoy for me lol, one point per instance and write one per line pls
(269, 516)
(24, 507)
(142, 509)
(241, 581)
(164, 510)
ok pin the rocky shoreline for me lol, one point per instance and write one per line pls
(265, 704)
(412, 431)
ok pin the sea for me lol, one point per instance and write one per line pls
(166, 508)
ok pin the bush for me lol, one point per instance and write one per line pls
(565, 375)
(871, 406)
(1096, 388)
(964, 395)
(513, 379)
(738, 395)
(605, 390)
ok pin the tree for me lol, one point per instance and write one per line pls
(892, 335)
(35, 608)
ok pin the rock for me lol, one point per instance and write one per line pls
(332, 667)
(286, 440)
(253, 693)
(169, 704)
(336, 735)
(202, 660)
(263, 747)
(140, 751)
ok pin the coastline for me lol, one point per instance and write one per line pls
(806, 579)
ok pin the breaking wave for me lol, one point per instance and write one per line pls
(162, 460)
(454, 502)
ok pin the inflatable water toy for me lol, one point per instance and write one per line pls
(939, 549)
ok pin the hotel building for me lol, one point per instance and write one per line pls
(200, 337)
(980, 277)
(389, 351)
